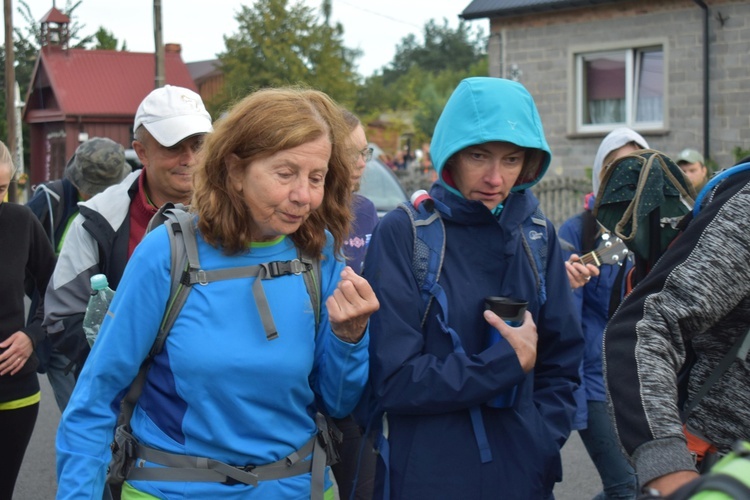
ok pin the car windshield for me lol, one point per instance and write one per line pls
(382, 188)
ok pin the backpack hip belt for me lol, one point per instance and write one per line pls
(188, 468)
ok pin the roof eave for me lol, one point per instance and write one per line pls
(531, 9)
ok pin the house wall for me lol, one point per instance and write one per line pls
(49, 154)
(210, 87)
(537, 48)
(58, 142)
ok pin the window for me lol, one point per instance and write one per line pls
(620, 87)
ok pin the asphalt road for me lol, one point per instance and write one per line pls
(37, 478)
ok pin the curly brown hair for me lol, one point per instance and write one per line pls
(260, 125)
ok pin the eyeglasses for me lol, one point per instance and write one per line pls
(366, 154)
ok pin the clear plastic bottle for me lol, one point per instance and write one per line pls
(101, 297)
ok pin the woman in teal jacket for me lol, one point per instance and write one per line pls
(273, 178)
(445, 441)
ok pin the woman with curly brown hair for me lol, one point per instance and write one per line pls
(273, 185)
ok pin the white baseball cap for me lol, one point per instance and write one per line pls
(171, 114)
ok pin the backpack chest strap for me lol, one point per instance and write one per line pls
(267, 270)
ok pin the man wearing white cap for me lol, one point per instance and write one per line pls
(169, 127)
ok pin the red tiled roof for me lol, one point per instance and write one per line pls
(107, 82)
(55, 16)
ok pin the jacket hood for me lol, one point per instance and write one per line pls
(614, 140)
(485, 109)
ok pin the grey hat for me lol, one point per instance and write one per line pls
(690, 156)
(97, 164)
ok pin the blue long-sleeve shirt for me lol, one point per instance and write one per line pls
(219, 389)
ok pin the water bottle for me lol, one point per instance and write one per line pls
(101, 296)
(512, 312)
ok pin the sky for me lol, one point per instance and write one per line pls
(374, 27)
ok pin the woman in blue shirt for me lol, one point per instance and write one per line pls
(273, 183)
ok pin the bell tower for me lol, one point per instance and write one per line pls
(54, 30)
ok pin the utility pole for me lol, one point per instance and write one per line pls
(159, 46)
(10, 92)
(18, 105)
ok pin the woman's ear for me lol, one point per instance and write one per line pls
(236, 170)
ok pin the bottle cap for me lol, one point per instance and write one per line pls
(508, 308)
(99, 282)
(422, 197)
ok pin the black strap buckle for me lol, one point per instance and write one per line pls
(282, 268)
(232, 481)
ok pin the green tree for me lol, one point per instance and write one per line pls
(422, 75)
(279, 43)
(106, 40)
(443, 49)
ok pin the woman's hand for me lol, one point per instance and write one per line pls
(578, 273)
(18, 350)
(522, 339)
(350, 306)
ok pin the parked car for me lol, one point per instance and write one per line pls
(381, 185)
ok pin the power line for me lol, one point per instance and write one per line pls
(380, 14)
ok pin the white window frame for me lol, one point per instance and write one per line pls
(630, 49)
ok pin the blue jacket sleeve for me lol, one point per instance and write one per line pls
(126, 336)
(341, 370)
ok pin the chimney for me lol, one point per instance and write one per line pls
(172, 48)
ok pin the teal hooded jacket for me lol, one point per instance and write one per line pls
(483, 110)
(428, 388)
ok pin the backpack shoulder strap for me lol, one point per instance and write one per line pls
(429, 251)
(57, 188)
(428, 231)
(535, 239)
(312, 282)
(739, 350)
(184, 255)
(54, 194)
(184, 252)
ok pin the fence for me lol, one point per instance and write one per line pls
(559, 197)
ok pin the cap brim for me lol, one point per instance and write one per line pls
(170, 131)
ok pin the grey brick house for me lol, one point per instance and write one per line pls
(677, 71)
